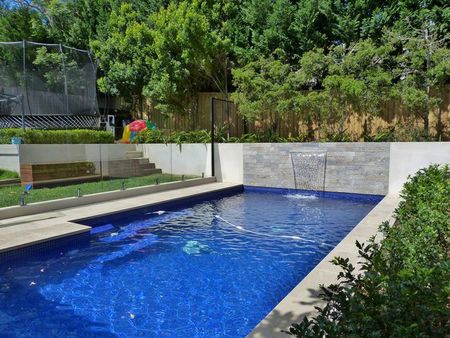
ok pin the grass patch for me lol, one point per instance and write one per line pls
(7, 174)
(9, 196)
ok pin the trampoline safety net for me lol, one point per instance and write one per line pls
(47, 86)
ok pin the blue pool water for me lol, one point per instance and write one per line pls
(210, 269)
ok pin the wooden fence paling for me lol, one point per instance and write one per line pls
(392, 115)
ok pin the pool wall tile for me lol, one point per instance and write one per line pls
(361, 168)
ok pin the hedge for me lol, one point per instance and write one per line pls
(404, 290)
(74, 136)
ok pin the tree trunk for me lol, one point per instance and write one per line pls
(310, 126)
(426, 123)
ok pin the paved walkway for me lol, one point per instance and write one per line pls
(300, 302)
(28, 230)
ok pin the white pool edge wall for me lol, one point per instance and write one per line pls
(354, 167)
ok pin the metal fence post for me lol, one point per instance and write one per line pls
(24, 85)
(212, 136)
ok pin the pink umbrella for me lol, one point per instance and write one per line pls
(138, 125)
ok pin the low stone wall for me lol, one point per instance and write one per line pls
(350, 167)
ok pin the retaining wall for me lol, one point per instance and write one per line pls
(370, 168)
(195, 159)
(355, 167)
(408, 157)
(350, 167)
(9, 157)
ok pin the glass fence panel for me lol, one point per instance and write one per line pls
(49, 172)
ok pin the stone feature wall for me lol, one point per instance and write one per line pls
(350, 167)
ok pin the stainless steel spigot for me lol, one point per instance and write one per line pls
(22, 201)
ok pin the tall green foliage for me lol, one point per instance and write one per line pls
(21, 23)
(423, 63)
(124, 56)
(356, 53)
(185, 55)
(260, 91)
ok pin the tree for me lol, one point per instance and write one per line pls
(261, 91)
(307, 99)
(124, 55)
(21, 23)
(423, 62)
(185, 56)
(345, 80)
(359, 81)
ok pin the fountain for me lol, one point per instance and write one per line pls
(309, 169)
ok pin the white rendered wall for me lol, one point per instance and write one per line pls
(195, 159)
(229, 162)
(187, 159)
(9, 157)
(406, 158)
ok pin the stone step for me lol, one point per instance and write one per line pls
(141, 160)
(134, 154)
(147, 165)
(151, 171)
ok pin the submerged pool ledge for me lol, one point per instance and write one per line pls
(29, 230)
(303, 299)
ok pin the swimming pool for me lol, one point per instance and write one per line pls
(210, 269)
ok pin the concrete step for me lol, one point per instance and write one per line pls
(147, 165)
(151, 171)
(134, 154)
(141, 160)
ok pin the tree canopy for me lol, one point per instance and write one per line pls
(355, 54)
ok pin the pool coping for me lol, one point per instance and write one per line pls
(25, 231)
(302, 300)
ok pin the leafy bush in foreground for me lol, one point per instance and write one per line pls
(405, 286)
(75, 136)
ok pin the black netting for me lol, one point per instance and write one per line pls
(46, 80)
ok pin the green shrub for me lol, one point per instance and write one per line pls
(74, 136)
(405, 286)
(165, 136)
(391, 134)
(204, 136)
